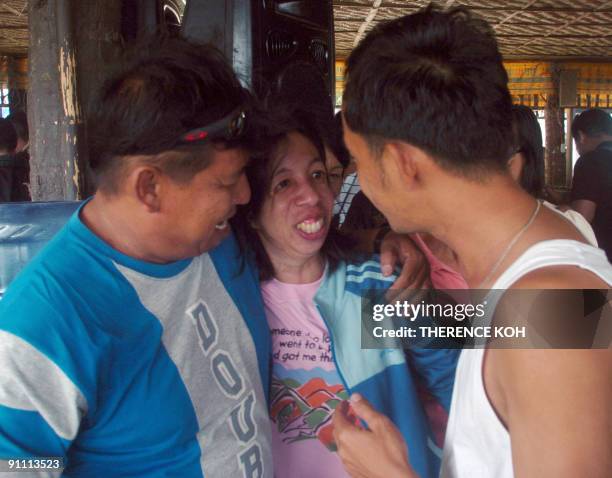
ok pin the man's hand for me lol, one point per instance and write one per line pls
(400, 249)
(377, 452)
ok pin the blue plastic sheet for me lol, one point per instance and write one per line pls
(24, 229)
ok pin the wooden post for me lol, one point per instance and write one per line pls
(70, 42)
(53, 108)
(553, 118)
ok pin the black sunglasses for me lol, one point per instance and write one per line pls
(228, 128)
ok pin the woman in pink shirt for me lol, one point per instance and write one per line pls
(312, 301)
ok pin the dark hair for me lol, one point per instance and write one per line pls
(166, 87)
(433, 79)
(259, 173)
(20, 122)
(528, 139)
(334, 140)
(593, 122)
(8, 136)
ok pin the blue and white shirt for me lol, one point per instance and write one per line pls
(126, 368)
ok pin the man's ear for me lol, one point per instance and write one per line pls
(399, 161)
(515, 166)
(145, 184)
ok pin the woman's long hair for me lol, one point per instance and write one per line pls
(528, 140)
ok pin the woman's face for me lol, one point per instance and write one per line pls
(296, 213)
(334, 171)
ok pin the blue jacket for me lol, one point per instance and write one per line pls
(386, 377)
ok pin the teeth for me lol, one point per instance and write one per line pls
(310, 227)
(221, 225)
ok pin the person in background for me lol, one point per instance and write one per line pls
(428, 119)
(527, 163)
(592, 184)
(8, 142)
(337, 158)
(527, 166)
(20, 122)
(21, 170)
(312, 294)
(350, 184)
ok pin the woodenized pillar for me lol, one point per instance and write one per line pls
(53, 108)
(68, 61)
(553, 117)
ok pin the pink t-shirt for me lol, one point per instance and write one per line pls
(306, 387)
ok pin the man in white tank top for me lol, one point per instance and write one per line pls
(427, 118)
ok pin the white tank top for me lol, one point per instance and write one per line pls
(577, 220)
(477, 444)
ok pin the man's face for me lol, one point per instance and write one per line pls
(585, 144)
(195, 214)
(370, 173)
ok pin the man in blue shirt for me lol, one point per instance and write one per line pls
(124, 348)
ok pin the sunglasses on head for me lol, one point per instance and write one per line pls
(228, 128)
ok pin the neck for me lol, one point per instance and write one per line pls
(115, 223)
(605, 138)
(298, 271)
(478, 221)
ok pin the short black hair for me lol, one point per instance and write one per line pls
(592, 122)
(434, 79)
(274, 131)
(164, 88)
(8, 136)
(528, 141)
(20, 122)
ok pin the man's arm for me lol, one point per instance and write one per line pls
(43, 372)
(40, 407)
(558, 411)
(585, 207)
(555, 403)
